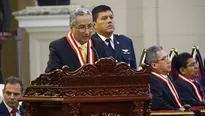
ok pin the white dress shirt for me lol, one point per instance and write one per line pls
(10, 109)
(111, 42)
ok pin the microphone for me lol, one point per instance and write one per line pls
(95, 52)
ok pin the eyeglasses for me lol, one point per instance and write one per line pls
(14, 94)
(192, 64)
(82, 28)
(164, 58)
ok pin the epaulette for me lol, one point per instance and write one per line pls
(120, 35)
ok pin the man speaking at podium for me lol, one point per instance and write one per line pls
(77, 48)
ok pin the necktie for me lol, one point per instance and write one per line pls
(82, 48)
(110, 49)
(14, 112)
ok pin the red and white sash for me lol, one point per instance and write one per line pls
(73, 44)
(171, 87)
(194, 86)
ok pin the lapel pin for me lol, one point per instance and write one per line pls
(118, 42)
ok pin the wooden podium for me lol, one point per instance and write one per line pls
(104, 89)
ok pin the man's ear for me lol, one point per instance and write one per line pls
(182, 70)
(94, 24)
(71, 26)
(153, 65)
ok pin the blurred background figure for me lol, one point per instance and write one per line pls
(5, 21)
(52, 2)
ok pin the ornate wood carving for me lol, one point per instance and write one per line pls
(72, 109)
(141, 108)
(49, 79)
(116, 82)
(29, 109)
(108, 91)
(43, 92)
(138, 108)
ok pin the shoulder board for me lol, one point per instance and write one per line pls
(119, 34)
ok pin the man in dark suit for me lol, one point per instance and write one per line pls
(119, 47)
(190, 89)
(12, 92)
(77, 48)
(163, 90)
(5, 20)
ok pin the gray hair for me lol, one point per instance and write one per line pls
(14, 80)
(79, 12)
(151, 54)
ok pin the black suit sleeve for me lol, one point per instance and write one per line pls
(54, 59)
(158, 103)
(6, 15)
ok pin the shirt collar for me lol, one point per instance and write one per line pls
(165, 76)
(104, 38)
(10, 109)
(192, 80)
(80, 44)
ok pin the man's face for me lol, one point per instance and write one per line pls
(12, 93)
(104, 22)
(82, 30)
(191, 70)
(163, 64)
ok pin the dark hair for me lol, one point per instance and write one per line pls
(14, 80)
(181, 60)
(98, 9)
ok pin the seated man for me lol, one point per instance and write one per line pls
(76, 48)
(191, 91)
(12, 92)
(164, 93)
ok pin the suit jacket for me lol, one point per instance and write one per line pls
(5, 16)
(121, 42)
(187, 93)
(62, 54)
(162, 97)
(4, 111)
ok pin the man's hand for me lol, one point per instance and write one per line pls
(3, 39)
(182, 109)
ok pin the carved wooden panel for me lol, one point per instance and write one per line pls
(106, 91)
(30, 109)
(106, 88)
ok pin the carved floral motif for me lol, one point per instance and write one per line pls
(72, 109)
(29, 109)
(87, 92)
(43, 92)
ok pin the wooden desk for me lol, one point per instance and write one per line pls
(171, 113)
(202, 111)
(198, 110)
